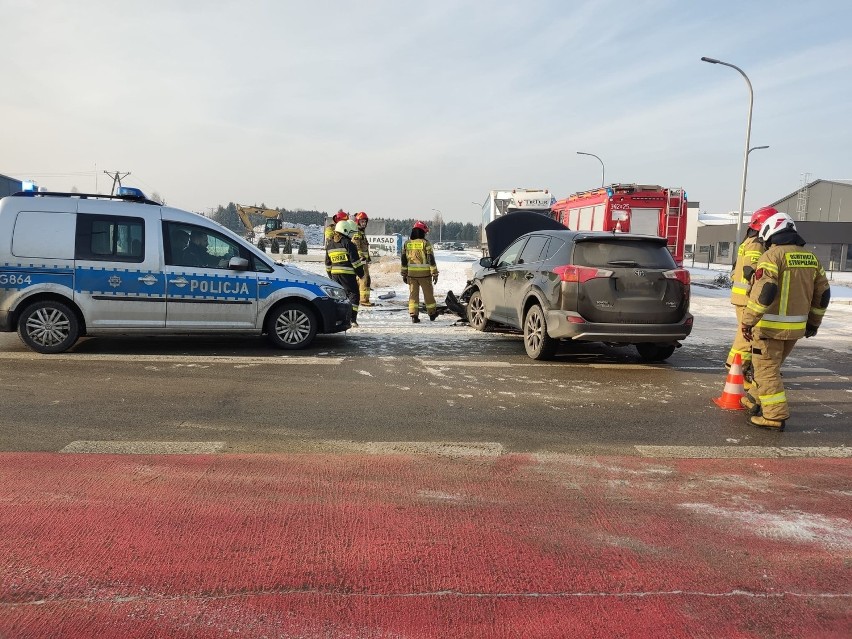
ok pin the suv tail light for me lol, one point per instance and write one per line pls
(580, 274)
(679, 274)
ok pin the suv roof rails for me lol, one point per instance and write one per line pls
(86, 196)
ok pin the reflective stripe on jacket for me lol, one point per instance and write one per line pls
(341, 257)
(363, 246)
(799, 286)
(418, 259)
(747, 255)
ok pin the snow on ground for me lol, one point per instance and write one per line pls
(715, 321)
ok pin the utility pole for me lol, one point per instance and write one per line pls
(117, 177)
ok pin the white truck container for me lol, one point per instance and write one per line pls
(504, 201)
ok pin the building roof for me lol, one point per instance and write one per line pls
(811, 184)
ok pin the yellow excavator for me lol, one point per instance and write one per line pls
(273, 227)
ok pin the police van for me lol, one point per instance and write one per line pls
(77, 264)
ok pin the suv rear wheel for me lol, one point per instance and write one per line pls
(655, 352)
(48, 327)
(291, 326)
(538, 344)
(476, 313)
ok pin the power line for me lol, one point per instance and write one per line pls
(117, 177)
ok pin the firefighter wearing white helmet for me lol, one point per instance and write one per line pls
(787, 301)
(343, 264)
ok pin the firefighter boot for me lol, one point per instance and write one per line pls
(415, 319)
(751, 406)
(763, 422)
(432, 317)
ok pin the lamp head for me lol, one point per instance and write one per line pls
(710, 60)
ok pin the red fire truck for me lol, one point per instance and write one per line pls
(628, 208)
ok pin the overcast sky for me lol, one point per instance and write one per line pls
(398, 107)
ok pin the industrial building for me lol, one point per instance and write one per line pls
(822, 210)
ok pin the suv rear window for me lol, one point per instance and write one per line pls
(602, 253)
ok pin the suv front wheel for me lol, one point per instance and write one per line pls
(538, 344)
(476, 313)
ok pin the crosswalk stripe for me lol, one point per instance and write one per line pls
(722, 452)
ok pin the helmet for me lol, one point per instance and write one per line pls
(774, 224)
(340, 216)
(346, 227)
(760, 216)
(421, 225)
(361, 216)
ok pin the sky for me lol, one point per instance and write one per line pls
(403, 108)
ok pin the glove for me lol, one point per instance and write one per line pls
(810, 330)
(747, 332)
(435, 279)
(404, 279)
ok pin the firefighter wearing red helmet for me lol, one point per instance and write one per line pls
(787, 301)
(340, 216)
(419, 271)
(363, 246)
(748, 255)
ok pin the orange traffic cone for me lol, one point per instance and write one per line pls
(733, 391)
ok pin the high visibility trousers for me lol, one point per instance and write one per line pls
(741, 344)
(350, 283)
(364, 284)
(767, 355)
(414, 286)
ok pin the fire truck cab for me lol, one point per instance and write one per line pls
(641, 209)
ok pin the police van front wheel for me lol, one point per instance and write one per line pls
(49, 327)
(291, 326)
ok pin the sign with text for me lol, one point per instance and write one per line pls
(385, 244)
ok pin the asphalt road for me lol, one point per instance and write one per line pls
(370, 388)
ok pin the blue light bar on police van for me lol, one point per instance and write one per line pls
(130, 192)
(28, 186)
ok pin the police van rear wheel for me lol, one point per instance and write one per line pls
(292, 326)
(48, 327)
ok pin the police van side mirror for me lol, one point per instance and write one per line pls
(486, 262)
(238, 264)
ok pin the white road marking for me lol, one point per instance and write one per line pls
(144, 448)
(743, 452)
(441, 449)
(275, 360)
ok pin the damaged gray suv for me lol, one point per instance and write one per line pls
(556, 284)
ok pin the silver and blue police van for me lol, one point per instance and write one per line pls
(76, 264)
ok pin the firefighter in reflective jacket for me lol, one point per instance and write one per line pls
(363, 246)
(340, 216)
(343, 264)
(787, 301)
(419, 271)
(747, 257)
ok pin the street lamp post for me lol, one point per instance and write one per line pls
(440, 222)
(747, 143)
(603, 169)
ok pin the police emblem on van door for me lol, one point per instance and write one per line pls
(114, 281)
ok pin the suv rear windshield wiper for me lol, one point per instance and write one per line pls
(623, 263)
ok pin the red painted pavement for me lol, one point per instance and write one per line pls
(415, 546)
